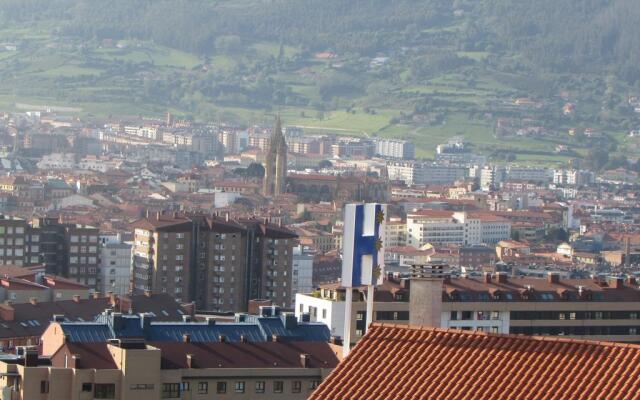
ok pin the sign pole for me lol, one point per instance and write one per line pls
(348, 306)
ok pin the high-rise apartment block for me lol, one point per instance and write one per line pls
(67, 250)
(395, 148)
(217, 262)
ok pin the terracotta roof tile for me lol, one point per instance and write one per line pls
(408, 362)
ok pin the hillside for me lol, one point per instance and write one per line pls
(423, 70)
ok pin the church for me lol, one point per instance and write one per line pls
(276, 163)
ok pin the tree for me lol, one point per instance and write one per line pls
(597, 158)
(255, 170)
(325, 164)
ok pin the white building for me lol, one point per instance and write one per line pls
(573, 177)
(425, 173)
(115, 267)
(491, 177)
(57, 161)
(395, 233)
(440, 227)
(395, 148)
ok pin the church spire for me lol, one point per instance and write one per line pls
(276, 162)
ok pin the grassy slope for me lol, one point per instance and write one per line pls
(54, 73)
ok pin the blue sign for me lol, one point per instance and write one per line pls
(362, 250)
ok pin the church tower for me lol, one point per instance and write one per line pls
(275, 170)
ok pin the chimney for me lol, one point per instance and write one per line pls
(191, 361)
(487, 277)
(96, 295)
(243, 339)
(57, 318)
(275, 338)
(222, 338)
(616, 282)
(75, 361)
(145, 321)
(226, 217)
(501, 277)
(7, 312)
(113, 299)
(632, 281)
(553, 277)
(304, 360)
(76, 298)
(186, 318)
(33, 301)
(186, 338)
(30, 357)
(425, 296)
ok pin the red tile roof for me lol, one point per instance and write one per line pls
(408, 362)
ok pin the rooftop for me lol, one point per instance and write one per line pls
(409, 362)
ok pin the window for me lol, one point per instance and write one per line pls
(170, 391)
(44, 386)
(324, 313)
(87, 387)
(278, 386)
(203, 388)
(221, 388)
(141, 386)
(239, 386)
(186, 387)
(104, 391)
(633, 331)
(296, 387)
(259, 386)
(313, 384)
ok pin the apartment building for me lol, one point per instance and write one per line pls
(395, 148)
(67, 250)
(13, 241)
(84, 249)
(444, 227)
(115, 267)
(425, 173)
(595, 309)
(272, 355)
(395, 233)
(130, 370)
(573, 177)
(217, 262)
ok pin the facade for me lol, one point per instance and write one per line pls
(217, 262)
(140, 371)
(395, 148)
(552, 306)
(84, 251)
(276, 163)
(302, 271)
(461, 228)
(425, 173)
(66, 250)
(115, 268)
(529, 174)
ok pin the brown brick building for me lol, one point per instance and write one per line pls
(217, 262)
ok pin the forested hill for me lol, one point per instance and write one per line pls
(549, 35)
